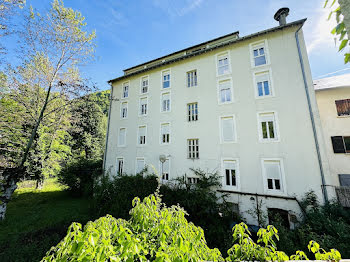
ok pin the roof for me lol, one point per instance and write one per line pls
(163, 61)
(332, 82)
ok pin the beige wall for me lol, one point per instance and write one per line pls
(296, 146)
(334, 125)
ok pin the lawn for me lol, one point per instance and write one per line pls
(38, 219)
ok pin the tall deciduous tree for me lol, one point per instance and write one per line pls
(54, 45)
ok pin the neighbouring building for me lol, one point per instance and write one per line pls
(240, 105)
(333, 99)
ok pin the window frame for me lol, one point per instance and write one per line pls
(161, 79)
(144, 163)
(282, 175)
(219, 93)
(161, 171)
(141, 82)
(121, 110)
(234, 129)
(161, 101)
(187, 112)
(259, 44)
(237, 187)
(276, 128)
(118, 144)
(122, 94)
(138, 136)
(161, 135)
(188, 151)
(227, 53)
(147, 107)
(190, 71)
(271, 84)
(117, 166)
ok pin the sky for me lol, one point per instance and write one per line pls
(130, 32)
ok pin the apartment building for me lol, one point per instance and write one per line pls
(333, 99)
(243, 106)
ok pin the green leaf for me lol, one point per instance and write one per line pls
(343, 44)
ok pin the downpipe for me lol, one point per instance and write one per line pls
(324, 189)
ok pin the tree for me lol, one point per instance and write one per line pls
(342, 13)
(54, 45)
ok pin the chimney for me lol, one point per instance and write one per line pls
(281, 15)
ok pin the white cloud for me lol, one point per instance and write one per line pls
(318, 32)
(177, 7)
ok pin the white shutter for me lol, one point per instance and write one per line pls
(122, 134)
(142, 131)
(165, 129)
(230, 164)
(267, 117)
(227, 129)
(273, 169)
(140, 164)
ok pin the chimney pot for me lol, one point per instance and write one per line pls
(281, 15)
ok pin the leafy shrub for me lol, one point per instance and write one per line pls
(205, 207)
(113, 195)
(80, 175)
(159, 233)
(329, 225)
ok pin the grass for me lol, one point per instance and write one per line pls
(38, 219)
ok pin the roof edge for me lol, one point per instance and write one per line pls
(239, 39)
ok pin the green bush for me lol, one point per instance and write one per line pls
(159, 233)
(329, 225)
(79, 176)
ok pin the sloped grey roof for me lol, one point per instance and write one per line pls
(332, 82)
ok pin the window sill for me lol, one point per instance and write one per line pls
(275, 192)
(223, 75)
(346, 116)
(269, 141)
(226, 103)
(264, 97)
(260, 66)
(121, 146)
(193, 158)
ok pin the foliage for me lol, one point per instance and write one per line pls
(205, 207)
(154, 232)
(124, 188)
(38, 219)
(159, 233)
(80, 175)
(329, 225)
(341, 30)
(88, 127)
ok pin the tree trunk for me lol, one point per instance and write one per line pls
(39, 184)
(7, 187)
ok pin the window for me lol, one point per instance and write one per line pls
(227, 129)
(192, 78)
(192, 112)
(223, 64)
(165, 168)
(278, 216)
(343, 107)
(124, 110)
(142, 135)
(193, 148)
(144, 85)
(166, 79)
(165, 105)
(341, 144)
(192, 180)
(125, 90)
(267, 126)
(273, 174)
(143, 106)
(225, 91)
(259, 54)
(122, 136)
(230, 173)
(344, 180)
(263, 84)
(165, 133)
(120, 165)
(140, 165)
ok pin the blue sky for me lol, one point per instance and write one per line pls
(130, 32)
